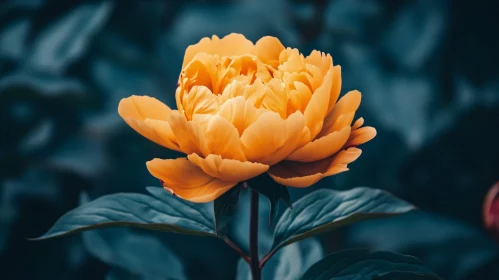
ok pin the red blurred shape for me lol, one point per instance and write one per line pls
(491, 210)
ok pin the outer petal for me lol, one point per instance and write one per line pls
(321, 148)
(232, 44)
(301, 175)
(187, 180)
(340, 123)
(268, 49)
(240, 112)
(136, 109)
(361, 136)
(347, 105)
(317, 107)
(142, 107)
(228, 169)
(358, 123)
(163, 130)
(270, 139)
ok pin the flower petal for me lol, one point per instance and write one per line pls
(320, 59)
(190, 135)
(358, 123)
(347, 106)
(240, 112)
(276, 99)
(140, 112)
(255, 93)
(204, 45)
(163, 130)
(268, 49)
(200, 100)
(222, 138)
(201, 71)
(233, 44)
(335, 88)
(187, 180)
(301, 175)
(270, 138)
(317, 107)
(230, 45)
(299, 97)
(233, 89)
(321, 148)
(228, 169)
(361, 136)
(143, 107)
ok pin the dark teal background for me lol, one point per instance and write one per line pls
(427, 70)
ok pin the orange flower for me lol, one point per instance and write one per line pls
(245, 109)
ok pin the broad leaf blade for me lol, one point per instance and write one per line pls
(161, 212)
(225, 207)
(325, 210)
(137, 252)
(273, 191)
(289, 263)
(362, 264)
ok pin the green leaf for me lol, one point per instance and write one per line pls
(289, 263)
(397, 275)
(120, 274)
(361, 264)
(140, 253)
(68, 38)
(161, 211)
(273, 191)
(325, 210)
(224, 207)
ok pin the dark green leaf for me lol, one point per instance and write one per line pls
(325, 210)
(289, 263)
(136, 252)
(441, 242)
(224, 207)
(273, 191)
(161, 211)
(361, 264)
(66, 40)
(121, 274)
(397, 275)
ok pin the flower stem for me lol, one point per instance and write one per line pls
(256, 271)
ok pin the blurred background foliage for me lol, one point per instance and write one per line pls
(428, 72)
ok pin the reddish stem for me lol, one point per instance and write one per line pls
(237, 249)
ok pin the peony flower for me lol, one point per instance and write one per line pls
(244, 109)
